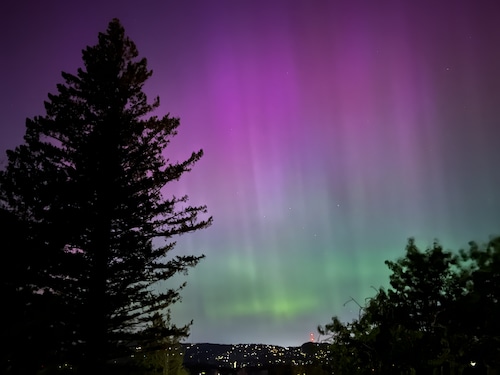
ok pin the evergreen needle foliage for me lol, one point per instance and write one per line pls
(86, 192)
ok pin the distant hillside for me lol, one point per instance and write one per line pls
(253, 355)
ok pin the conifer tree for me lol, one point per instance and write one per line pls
(88, 184)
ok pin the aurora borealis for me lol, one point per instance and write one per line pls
(332, 131)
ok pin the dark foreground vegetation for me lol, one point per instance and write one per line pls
(441, 315)
(87, 222)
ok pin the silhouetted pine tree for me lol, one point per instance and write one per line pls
(87, 186)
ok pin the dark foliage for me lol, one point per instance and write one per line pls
(86, 195)
(440, 315)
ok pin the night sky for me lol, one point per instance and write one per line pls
(332, 131)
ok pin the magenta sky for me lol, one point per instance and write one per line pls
(333, 131)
